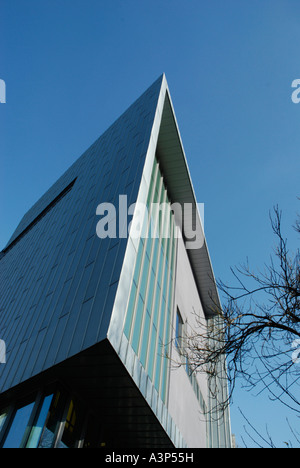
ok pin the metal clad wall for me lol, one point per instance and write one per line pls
(59, 280)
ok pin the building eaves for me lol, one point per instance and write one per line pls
(180, 187)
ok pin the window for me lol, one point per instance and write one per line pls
(3, 416)
(179, 330)
(73, 427)
(50, 420)
(148, 318)
(34, 425)
(53, 421)
(37, 432)
(18, 427)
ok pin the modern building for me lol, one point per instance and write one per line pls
(92, 318)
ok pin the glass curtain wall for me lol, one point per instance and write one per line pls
(49, 420)
(149, 312)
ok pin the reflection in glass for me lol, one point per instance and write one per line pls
(49, 432)
(3, 416)
(72, 427)
(179, 330)
(36, 431)
(18, 427)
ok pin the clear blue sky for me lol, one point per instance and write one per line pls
(71, 67)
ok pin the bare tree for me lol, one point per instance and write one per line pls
(256, 333)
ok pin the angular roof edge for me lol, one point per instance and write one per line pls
(180, 187)
(56, 187)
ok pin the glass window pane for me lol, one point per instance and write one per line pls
(18, 427)
(3, 416)
(152, 352)
(137, 325)
(73, 427)
(167, 330)
(151, 187)
(130, 311)
(49, 432)
(179, 330)
(155, 253)
(162, 319)
(144, 279)
(165, 283)
(151, 291)
(138, 261)
(37, 429)
(149, 246)
(145, 339)
(160, 268)
(158, 364)
(156, 305)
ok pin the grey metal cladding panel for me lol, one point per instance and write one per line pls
(59, 280)
(38, 207)
(141, 109)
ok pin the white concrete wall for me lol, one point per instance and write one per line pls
(183, 404)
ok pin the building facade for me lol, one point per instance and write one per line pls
(100, 282)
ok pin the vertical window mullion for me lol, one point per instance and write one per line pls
(148, 242)
(168, 313)
(62, 424)
(7, 424)
(138, 280)
(161, 318)
(32, 419)
(160, 275)
(152, 344)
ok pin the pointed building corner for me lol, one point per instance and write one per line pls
(106, 280)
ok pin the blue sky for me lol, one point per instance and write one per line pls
(71, 67)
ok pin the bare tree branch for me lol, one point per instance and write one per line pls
(252, 334)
